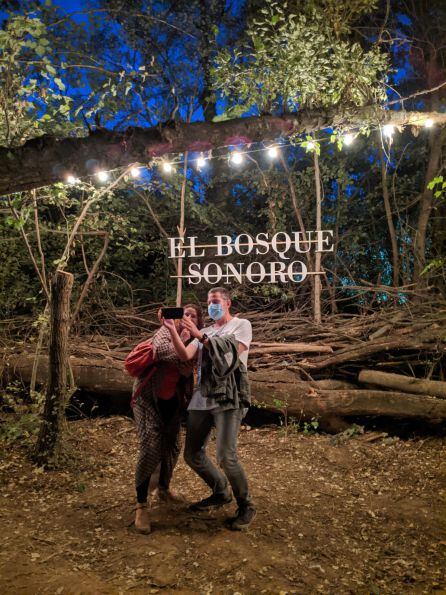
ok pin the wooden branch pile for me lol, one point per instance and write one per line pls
(346, 367)
(346, 377)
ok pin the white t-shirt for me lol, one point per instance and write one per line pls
(242, 331)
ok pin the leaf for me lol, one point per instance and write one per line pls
(60, 84)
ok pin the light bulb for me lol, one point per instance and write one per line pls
(201, 161)
(388, 130)
(167, 167)
(428, 123)
(348, 139)
(273, 152)
(72, 180)
(102, 176)
(236, 157)
(135, 172)
(310, 145)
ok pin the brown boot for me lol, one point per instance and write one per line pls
(142, 521)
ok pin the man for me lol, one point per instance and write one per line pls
(205, 412)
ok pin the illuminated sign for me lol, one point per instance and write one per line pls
(282, 248)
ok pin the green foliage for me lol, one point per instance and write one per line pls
(439, 185)
(297, 59)
(33, 97)
(20, 419)
(290, 424)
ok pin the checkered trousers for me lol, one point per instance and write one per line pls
(159, 442)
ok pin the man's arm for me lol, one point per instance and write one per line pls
(243, 336)
(184, 353)
(241, 348)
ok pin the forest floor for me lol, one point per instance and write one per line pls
(361, 514)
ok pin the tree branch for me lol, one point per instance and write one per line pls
(45, 160)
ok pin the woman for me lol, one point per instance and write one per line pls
(157, 413)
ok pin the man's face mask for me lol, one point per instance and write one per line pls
(215, 311)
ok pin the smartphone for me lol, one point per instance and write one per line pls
(172, 313)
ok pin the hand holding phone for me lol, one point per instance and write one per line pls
(172, 313)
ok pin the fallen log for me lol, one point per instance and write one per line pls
(347, 403)
(261, 348)
(104, 376)
(419, 386)
(302, 399)
(362, 351)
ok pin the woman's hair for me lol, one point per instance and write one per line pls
(199, 311)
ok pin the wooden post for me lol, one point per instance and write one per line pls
(181, 232)
(389, 218)
(48, 442)
(318, 255)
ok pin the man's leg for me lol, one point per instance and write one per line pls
(228, 426)
(199, 425)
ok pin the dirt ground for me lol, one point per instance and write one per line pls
(361, 515)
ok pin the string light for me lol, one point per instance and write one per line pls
(102, 176)
(273, 152)
(388, 130)
(201, 161)
(237, 157)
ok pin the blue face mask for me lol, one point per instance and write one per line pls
(215, 311)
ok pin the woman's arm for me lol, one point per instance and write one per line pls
(184, 353)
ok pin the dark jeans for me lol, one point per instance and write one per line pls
(227, 424)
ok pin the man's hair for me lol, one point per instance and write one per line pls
(225, 293)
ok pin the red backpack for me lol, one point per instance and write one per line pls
(140, 364)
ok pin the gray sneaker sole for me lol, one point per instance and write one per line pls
(240, 527)
(197, 508)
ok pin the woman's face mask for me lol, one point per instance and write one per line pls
(215, 311)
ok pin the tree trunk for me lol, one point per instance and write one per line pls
(390, 225)
(348, 403)
(326, 399)
(48, 442)
(46, 160)
(260, 348)
(436, 140)
(419, 386)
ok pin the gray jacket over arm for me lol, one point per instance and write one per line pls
(223, 376)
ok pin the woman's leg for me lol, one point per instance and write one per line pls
(171, 416)
(171, 452)
(149, 432)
